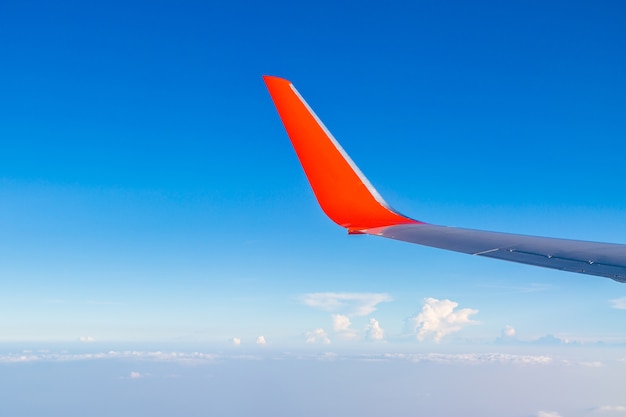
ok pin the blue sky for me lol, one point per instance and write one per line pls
(149, 196)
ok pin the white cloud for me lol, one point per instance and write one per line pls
(548, 414)
(327, 356)
(317, 335)
(193, 357)
(508, 331)
(591, 364)
(200, 358)
(508, 336)
(619, 303)
(553, 340)
(236, 341)
(135, 375)
(340, 323)
(261, 340)
(350, 304)
(439, 318)
(472, 358)
(611, 408)
(341, 326)
(87, 339)
(374, 331)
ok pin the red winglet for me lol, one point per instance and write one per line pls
(342, 191)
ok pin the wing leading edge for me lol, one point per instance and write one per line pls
(348, 198)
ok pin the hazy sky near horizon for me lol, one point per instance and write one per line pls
(162, 383)
(149, 194)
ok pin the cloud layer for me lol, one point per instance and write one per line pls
(612, 409)
(207, 358)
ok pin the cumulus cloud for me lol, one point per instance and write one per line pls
(87, 339)
(236, 341)
(440, 318)
(507, 336)
(611, 409)
(508, 331)
(548, 414)
(261, 340)
(340, 323)
(619, 303)
(341, 326)
(135, 375)
(373, 330)
(317, 336)
(350, 304)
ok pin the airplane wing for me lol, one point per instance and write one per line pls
(348, 198)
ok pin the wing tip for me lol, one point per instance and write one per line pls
(275, 80)
(341, 189)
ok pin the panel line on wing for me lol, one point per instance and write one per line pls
(486, 251)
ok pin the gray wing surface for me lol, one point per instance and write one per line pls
(593, 258)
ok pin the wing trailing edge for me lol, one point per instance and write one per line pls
(348, 198)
